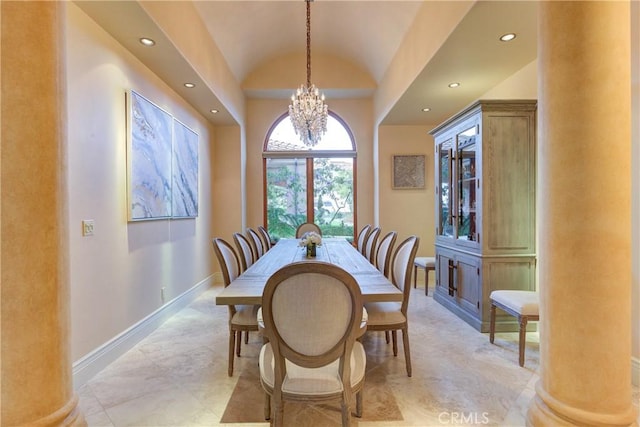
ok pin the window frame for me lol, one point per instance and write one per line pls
(309, 156)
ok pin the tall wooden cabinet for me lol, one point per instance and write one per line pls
(485, 176)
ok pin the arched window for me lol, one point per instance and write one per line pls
(305, 184)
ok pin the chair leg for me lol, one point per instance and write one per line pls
(394, 338)
(346, 413)
(426, 281)
(522, 339)
(267, 406)
(246, 337)
(238, 343)
(386, 336)
(415, 276)
(232, 337)
(359, 404)
(492, 324)
(407, 352)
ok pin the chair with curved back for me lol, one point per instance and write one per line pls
(384, 252)
(256, 241)
(266, 238)
(392, 316)
(370, 246)
(245, 249)
(306, 227)
(312, 353)
(362, 238)
(242, 318)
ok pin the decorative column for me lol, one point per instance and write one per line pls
(584, 162)
(37, 385)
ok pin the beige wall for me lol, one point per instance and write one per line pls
(117, 274)
(635, 189)
(407, 211)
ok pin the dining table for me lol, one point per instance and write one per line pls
(247, 287)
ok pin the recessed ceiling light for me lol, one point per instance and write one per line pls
(426, 109)
(189, 85)
(454, 84)
(214, 111)
(507, 37)
(147, 41)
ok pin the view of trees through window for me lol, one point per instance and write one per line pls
(310, 185)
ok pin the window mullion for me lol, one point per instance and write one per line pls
(310, 192)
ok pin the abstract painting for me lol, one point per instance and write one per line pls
(185, 171)
(149, 160)
(162, 163)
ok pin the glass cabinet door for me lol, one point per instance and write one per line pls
(466, 184)
(445, 220)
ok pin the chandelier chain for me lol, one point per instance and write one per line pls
(308, 43)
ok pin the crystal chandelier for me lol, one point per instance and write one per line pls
(308, 111)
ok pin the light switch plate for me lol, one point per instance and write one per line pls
(87, 227)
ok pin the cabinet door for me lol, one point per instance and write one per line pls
(444, 203)
(468, 283)
(466, 184)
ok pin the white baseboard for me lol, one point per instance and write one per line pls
(85, 368)
(635, 371)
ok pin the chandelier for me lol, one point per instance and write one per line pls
(307, 111)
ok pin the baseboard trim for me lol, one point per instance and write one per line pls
(88, 366)
(635, 371)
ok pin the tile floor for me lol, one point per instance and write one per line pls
(177, 376)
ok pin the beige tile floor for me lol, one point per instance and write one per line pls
(177, 376)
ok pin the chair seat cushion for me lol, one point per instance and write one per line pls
(425, 262)
(246, 315)
(312, 381)
(524, 303)
(384, 313)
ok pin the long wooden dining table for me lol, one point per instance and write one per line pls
(247, 288)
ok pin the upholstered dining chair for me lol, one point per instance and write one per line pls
(306, 227)
(384, 252)
(256, 241)
(312, 353)
(392, 316)
(245, 250)
(242, 318)
(370, 246)
(266, 238)
(362, 238)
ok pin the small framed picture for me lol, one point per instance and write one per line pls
(408, 172)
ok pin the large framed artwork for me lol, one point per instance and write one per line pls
(162, 157)
(408, 172)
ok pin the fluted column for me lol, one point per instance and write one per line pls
(585, 215)
(36, 367)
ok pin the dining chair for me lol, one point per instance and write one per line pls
(372, 240)
(256, 241)
(362, 238)
(266, 238)
(312, 353)
(384, 252)
(306, 227)
(392, 316)
(242, 318)
(245, 250)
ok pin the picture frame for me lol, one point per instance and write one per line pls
(408, 171)
(162, 163)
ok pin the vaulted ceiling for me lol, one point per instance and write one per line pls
(367, 33)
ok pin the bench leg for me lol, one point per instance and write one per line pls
(522, 339)
(492, 324)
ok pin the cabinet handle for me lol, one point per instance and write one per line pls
(452, 269)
